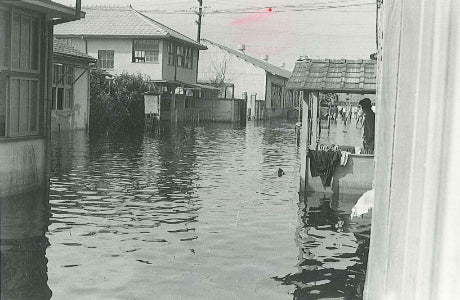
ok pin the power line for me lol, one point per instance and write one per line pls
(250, 10)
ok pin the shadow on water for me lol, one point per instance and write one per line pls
(333, 250)
(24, 221)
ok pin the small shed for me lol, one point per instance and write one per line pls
(313, 76)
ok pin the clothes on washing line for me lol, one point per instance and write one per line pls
(344, 158)
(323, 164)
(327, 147)
(350, 149)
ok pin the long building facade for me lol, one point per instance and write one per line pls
(26, 47)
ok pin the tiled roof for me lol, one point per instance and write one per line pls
(61, 47)
(256, 62)
(331, 75)
(118, 22)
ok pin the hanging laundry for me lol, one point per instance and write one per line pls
(344, 158)
(323, 164)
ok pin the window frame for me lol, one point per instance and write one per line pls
(140, 53)
(65, 83)
(8, 125)
(171, 54)
(30, 71)
(11, 36)
(101, 60)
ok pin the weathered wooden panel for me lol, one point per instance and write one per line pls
(386, 89)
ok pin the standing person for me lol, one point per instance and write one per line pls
(335, 113)
(365, 110)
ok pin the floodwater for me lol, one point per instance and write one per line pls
(191, 212)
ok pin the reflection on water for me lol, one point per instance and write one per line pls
(333, 250)
(24, 220)
(189, 212)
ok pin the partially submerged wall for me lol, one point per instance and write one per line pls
(22, 166)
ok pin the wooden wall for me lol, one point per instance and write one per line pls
(414, 232)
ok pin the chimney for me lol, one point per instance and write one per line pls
(282, 65)
(265, 57)
(241, 47)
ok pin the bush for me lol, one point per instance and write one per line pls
(117, 104)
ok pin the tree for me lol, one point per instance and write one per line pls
(117, 104)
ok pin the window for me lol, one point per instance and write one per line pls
(171, 53)
(188, 58)
(62, 93)
(180, 56)
(24, 45)
(23, 117)
(105, 59)
(184, 57)
(20, 51)
(146, 51)
(276, 96)
(4, 36)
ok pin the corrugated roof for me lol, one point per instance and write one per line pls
(119, 22)
(61, 47)
(256, 62)
(334, 75)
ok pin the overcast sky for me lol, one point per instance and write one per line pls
(313, 28)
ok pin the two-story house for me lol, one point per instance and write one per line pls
(125, 40)
(260, 82)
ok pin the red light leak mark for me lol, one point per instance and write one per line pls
(253, 18)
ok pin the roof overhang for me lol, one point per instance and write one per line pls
(53, 9)
(191, 86)
(82, 61)
(345, 91)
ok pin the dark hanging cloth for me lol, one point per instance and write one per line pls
(323, 163)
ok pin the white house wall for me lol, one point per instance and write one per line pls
(78, 116)
(245, 76)
(122, 55)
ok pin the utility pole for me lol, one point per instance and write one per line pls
(199, 13)
(198, 35)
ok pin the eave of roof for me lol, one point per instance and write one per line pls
(339, 76)
(55, 10)
(63, 50)
(256, 62)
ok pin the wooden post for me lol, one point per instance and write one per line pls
(304, 134)
(315, 120)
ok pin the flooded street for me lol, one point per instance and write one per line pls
(191, 213)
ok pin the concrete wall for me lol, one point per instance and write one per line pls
(415, 237)
(223, 110)
(245, 76)
(22, 166)
(191, 109)
(78, 117)
(352, 179)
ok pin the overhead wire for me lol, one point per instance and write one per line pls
(318, 6)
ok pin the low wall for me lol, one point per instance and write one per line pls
(22, 165)
(192, 109)
(353, 178)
